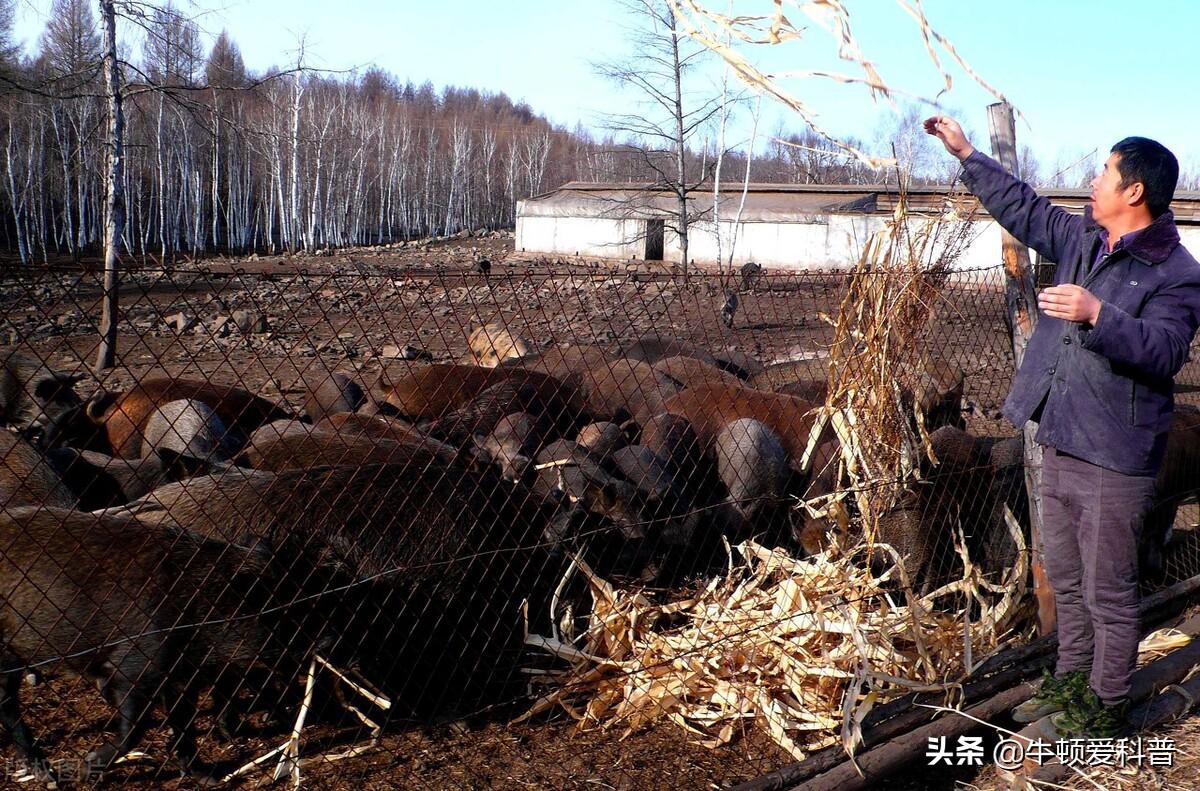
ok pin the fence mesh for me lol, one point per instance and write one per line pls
(412, 518)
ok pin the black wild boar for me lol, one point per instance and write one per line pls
(753, 465)
(190, 428)
(34, 399)
(512, 445)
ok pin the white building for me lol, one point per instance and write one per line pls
(785, 226)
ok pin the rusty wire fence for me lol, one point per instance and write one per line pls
(460, 529)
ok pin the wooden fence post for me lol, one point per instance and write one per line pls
(1021, 297)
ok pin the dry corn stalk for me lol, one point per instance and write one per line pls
(800, 649)
(878, 388)
(727, 35)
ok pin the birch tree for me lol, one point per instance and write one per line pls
(114, 203)
(668, 116)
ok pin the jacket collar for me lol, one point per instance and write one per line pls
(1153, 244)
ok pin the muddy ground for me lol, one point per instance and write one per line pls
(355, 311)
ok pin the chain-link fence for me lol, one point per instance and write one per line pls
(526, 525)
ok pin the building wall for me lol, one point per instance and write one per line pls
(830, 242)
(588, 236)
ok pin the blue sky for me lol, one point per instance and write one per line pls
(1083, 72)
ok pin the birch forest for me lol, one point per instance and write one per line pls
(219, 159)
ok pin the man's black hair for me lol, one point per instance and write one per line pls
(1151, 163)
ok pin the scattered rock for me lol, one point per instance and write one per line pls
(180, 322)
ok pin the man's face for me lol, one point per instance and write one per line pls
(1108, 199)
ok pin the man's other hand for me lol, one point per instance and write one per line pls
(1069, 302)
(951, 134)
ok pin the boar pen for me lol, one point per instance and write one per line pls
(395, 519)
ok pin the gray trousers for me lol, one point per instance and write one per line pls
(1091, 523)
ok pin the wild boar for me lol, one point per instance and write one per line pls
(33, 398)
(709, 409)
(493, 343)
(100, 481)
(332, 394)
(652, 348)
(556, 406)
(28, 478)
(624, 389)
(190, 428)
(673, 440)
(432, 392)
(753, 466)
(111, 597)
(308, 447)
(512, 445)
(601, 438)
(124, 416)
(690, 372)
(416, 570)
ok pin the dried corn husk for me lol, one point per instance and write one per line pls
(802, 649)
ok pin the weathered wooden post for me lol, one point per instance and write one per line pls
(1021, 298)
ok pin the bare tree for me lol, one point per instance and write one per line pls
(70, 55)
(114, 201)
(669, 115)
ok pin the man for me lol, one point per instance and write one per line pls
(1098, 378)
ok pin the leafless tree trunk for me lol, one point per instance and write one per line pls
(114, 204)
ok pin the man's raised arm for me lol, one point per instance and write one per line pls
(1032, 219)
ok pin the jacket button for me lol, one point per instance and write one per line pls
(1133, 282)
(1067, 339)
(1050, 370)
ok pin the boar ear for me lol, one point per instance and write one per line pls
(98, 404)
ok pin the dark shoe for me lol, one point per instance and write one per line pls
(1054, 696)
(1088, 718)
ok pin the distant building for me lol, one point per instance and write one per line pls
(787, 226)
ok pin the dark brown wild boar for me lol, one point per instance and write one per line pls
(100, 481)
(29, 478)
(124, 416)
(309, 447)
(109, 597)
(652, 348)
(709, 409)
(422, 567)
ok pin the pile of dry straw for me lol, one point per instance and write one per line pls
(803, 649)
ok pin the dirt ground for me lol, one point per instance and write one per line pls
(343, 312)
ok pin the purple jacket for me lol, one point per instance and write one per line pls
(1106, 392)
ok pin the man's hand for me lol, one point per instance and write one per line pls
(1069, 302)
(951, 134)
